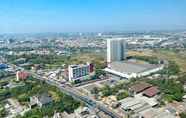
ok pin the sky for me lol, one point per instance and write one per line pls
(30, 16)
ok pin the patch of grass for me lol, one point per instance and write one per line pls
(178, 58)
(54, 95)
(170, 55)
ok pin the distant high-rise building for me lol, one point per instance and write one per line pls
(99, 34)
(116, 50)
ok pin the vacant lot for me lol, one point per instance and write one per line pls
(178, 56)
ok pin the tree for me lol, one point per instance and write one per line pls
(106, 90)
(122, 95)
(182, 115)
(172, 89)
(173, 68)
(3, 113)
(100, 72)
(95, 90)
(23, 98)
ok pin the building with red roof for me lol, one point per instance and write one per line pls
(22, 75)
(139, 87)
(152, 91)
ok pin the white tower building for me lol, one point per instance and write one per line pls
(116, 50)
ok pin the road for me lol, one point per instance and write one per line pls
(76, 94)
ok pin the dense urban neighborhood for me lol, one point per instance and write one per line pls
(93, 75)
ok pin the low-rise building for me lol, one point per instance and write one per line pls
(22, 75)
(139, 87)
(130, 69)
(81, 112)
(13, 108)
(63, 115)
(156, 113)
(134, 105)
(40, 100)
(152, 91)
(144, 88)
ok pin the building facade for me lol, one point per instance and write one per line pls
(76, 72)
(116, 50)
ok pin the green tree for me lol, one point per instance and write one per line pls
(3, 113)
(172, 89)
(99, 72)
(106, 90)
(182, 115)
(95, 90)
(173, 68)
(122, 95)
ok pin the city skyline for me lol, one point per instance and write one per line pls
(36, 16)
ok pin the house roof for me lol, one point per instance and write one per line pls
(44, 98)
(3, 66)
(22, 74)
(152, 91)
(139, 87)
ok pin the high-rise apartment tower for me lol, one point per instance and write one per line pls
(116, 50)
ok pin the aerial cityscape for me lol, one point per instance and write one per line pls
(92, 59)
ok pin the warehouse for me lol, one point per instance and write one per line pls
(129, 69)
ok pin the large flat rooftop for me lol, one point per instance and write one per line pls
(132, 67)
(129, 67)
